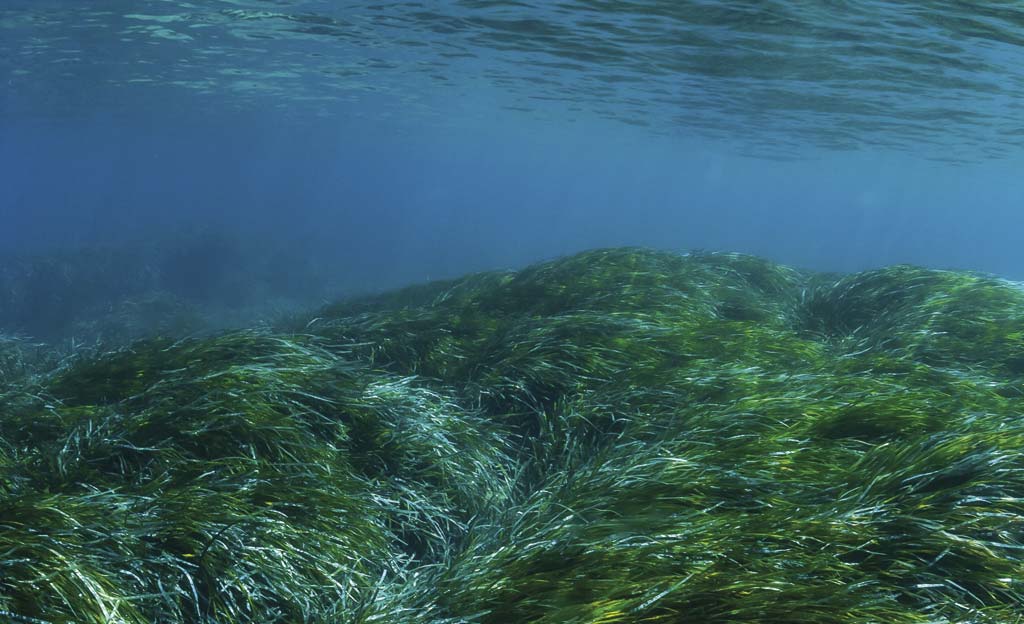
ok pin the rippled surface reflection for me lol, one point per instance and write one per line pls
(942, 76)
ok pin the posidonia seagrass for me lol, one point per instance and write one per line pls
(619, 436)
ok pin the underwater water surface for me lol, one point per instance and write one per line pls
(481, 312)
(773, 76)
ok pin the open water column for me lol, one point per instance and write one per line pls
(488, 312)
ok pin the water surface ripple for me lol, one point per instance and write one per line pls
(940, 76)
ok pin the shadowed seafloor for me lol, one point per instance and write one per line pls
(617, 436)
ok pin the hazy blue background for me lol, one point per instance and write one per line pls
(423, 170)
(414, 205)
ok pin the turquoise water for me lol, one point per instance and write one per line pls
(401, 142)
(771, 76)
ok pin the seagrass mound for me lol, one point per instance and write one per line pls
(619, 436)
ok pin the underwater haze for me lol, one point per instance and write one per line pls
(390, 143)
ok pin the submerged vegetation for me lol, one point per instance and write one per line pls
(619, 436)
(173, 286)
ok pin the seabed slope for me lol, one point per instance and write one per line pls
(619, 436)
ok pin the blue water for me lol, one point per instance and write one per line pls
(398, 142)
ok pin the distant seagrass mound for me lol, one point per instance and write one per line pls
(170, 286)
(618, 436)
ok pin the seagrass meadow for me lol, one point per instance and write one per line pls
(618, 436)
